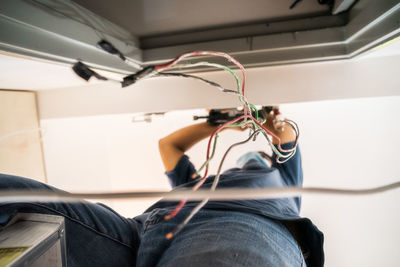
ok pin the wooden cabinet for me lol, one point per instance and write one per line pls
(20, 137)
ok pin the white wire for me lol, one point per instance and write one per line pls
(176, 195)
(213, 186)
(133, 63)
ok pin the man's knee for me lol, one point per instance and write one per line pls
(16, 182)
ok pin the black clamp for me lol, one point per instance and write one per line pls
(110, 48)
(85, 73)
(130, 79)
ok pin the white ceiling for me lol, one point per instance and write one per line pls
(20, 73)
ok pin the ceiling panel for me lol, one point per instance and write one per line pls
(159, 17)
(257, 33)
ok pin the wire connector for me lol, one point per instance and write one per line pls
(131, 79)
(110, 48)
(85, 72)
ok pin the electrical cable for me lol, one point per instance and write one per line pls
(219, 66)
(153, 70)
(197, 53)
(175, 211)
(111, 49)
(212, 53)
(216, 179)
(85, 72)
(207, 161)
(242, 98)
(173, 74)
(248, 118)
(213, 187)
(157, 69)
(18, 196)
(202, 180)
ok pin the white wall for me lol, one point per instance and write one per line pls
(345, 143)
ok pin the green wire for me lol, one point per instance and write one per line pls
(250, 107)
(224, 68)
(255, 110)
(212, 155)
(237, 80)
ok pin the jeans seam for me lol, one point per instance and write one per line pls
(79, 222)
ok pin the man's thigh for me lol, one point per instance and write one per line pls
(217, 238)
(95, 234)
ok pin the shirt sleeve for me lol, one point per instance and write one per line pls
(182, 172)
(291, 171)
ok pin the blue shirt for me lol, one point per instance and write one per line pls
(255, 175)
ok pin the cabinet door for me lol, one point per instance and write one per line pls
(20, 137)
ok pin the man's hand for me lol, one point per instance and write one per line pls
(281, 129)
(173, 146)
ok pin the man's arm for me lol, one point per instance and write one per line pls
(291, 170)
(173, 146)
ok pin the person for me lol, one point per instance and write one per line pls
(255, 232)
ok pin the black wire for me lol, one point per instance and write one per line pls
(295, 4)
(214, 184)
(174, 74)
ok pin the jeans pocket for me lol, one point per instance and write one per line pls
(156, 216)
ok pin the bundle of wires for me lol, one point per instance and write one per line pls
(247, 120)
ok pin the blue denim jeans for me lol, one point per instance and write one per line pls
(97, 236)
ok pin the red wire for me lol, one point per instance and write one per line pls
(175, 60)
(245, 116)
(198, 53)
(273, 135)
(176, 210)
(181, 204)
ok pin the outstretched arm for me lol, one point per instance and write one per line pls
(173, 146)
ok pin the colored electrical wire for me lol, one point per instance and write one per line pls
(215, 65)
(196, 53)
(211, 53)
(208, 161)
(247, 119)
(158, 70)
(175, 211)
(196, 174)
(213, 187)
(226, 125)
(242, 98)
(172, 74)
(221, 54)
